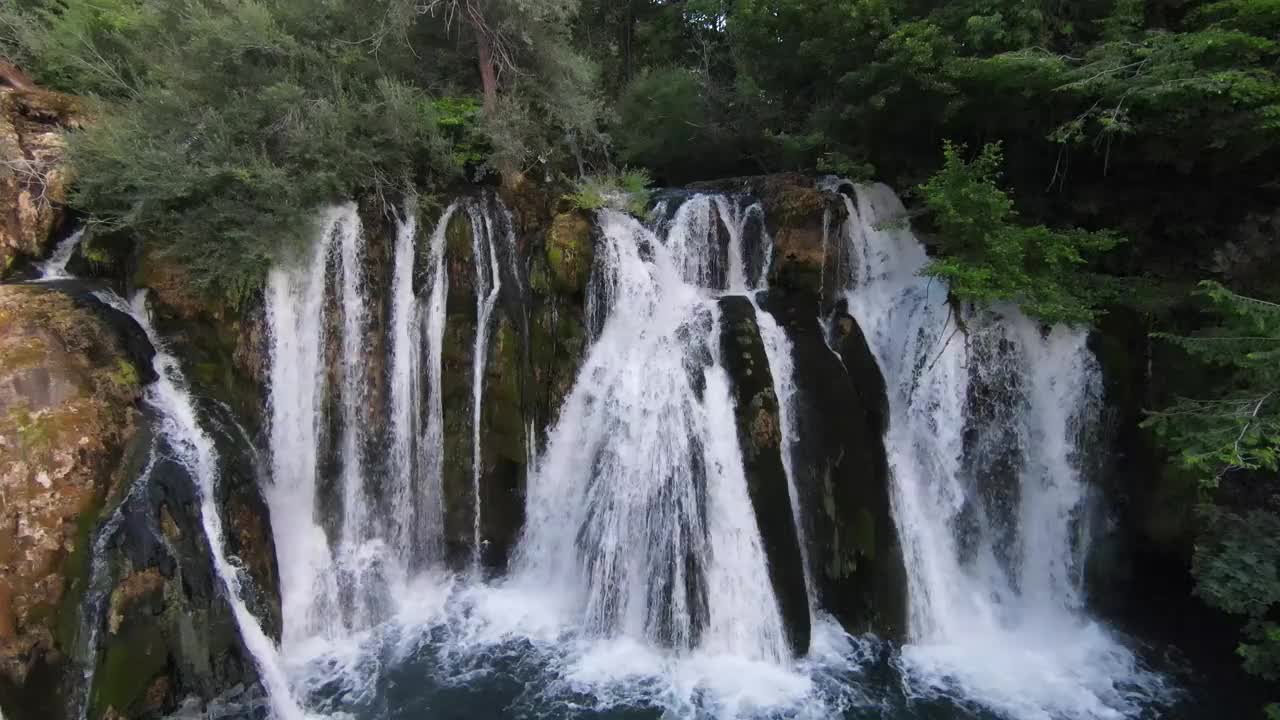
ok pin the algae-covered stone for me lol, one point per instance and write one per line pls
(570, 252)
(798, 217)
(760, 439)
(67, 395)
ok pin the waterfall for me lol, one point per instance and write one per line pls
(362, 563)
(296, 311)
(488, 283)
(638, 510)
(351, 565)
(406, 360)
(984, 444)
(179, 426)
(428, 329)
(55, 268)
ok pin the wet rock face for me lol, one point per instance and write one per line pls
(166, 631)
(798, 217)
(760, 438)
(570, 252)
(67, 418)
(104, 564)
(224, 350)
(33, 171)
(841, 471)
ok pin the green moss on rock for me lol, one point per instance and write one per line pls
(569, 252)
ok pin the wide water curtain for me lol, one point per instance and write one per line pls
(357, 410)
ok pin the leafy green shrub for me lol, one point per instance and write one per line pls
(986, 256)
(627, 191)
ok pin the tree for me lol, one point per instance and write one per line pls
(986, 255)
(1229, 438)
(531, 77)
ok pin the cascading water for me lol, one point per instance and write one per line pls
(297, 311)
(336, 582)
(639, 509)
(93, 607)
(405, 386)
(641, 579)
(178, 423)
(488, 283)
(55, 268)
(996, 614)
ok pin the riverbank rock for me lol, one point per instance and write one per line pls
(760, 439)
(33, 171)
(68, 424)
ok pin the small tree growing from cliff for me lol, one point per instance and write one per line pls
(986, 255)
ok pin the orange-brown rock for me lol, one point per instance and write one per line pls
(34, 174)
(67, 409)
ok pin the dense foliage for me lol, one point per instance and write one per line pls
(987, 256)
(222, 124)
(1229, 438)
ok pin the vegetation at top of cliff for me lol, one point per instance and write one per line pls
(627, 190)
(988, 256)
(221, 125)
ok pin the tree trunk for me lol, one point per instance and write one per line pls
(628, 37)
(488, 73)
(489, 82)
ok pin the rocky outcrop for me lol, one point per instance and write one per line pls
(760, 440)
(33, 172)
(801, 219)
(110, 606)
(223, 348)
(68, 430)
(841, 470)
(569, 252)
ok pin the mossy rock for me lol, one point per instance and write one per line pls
(841, 469)
(68, 387)
(570, 252)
